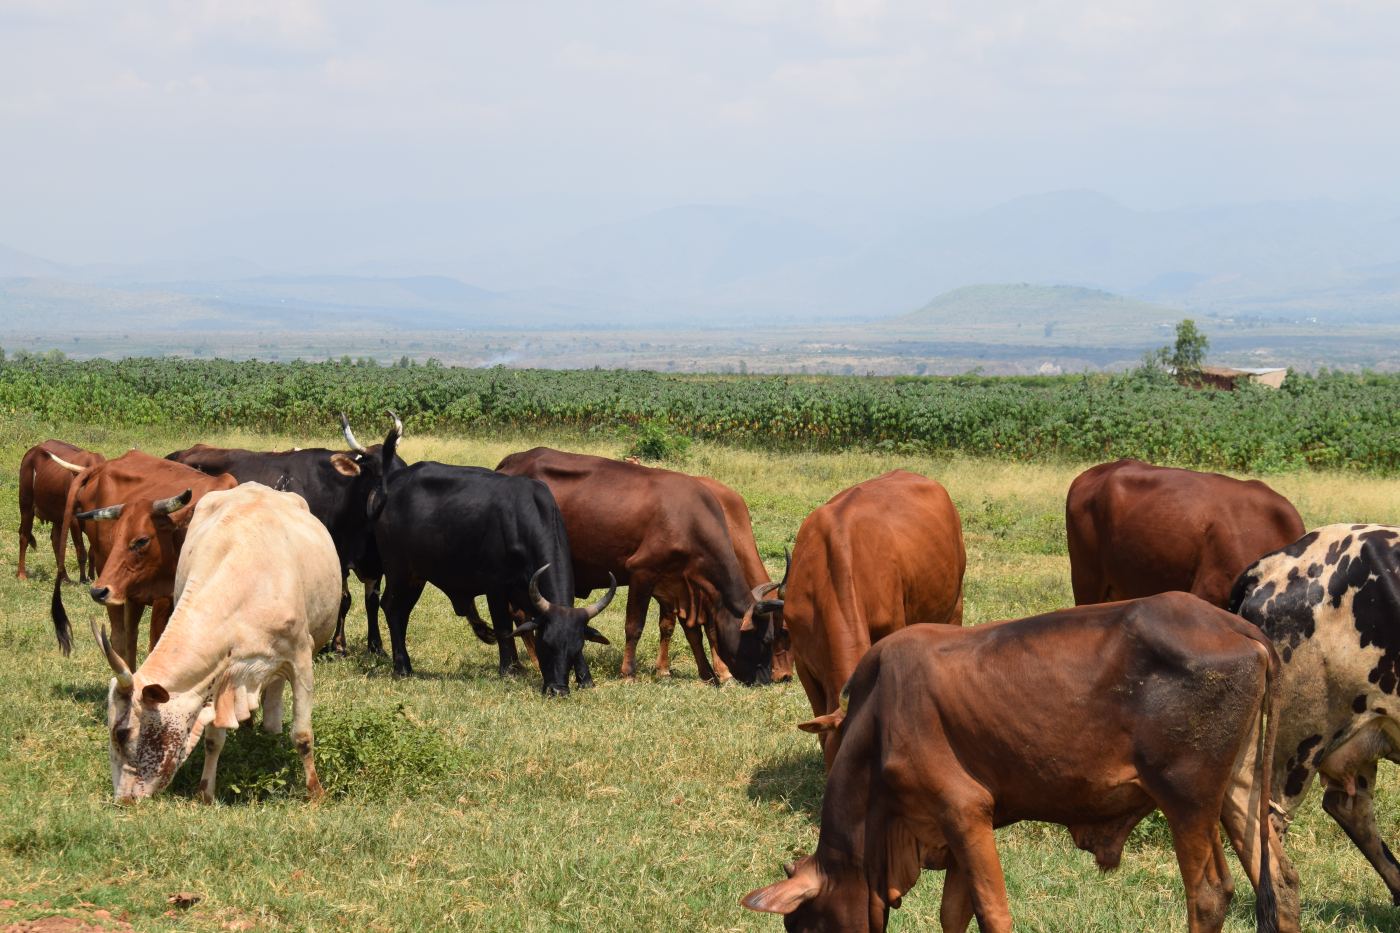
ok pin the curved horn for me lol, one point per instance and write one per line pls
(173, 504)
(787, 569)
(398, 425)
(592, 609)
(105, 513)
(70, 467)
(541, 604)
(118, 664)
(350, 436)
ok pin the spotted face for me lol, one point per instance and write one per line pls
(150, 734)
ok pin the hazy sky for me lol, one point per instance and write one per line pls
(138, 130)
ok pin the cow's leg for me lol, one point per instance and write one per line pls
(721, 669)
(302, 685)
(955, 910)
(372, 641)
(126, 625)
(80, 547)
(399, 600)
(639, 592)
(503, 623)
(337, 643)
(26, 537)
(1357, 817)
(60, 561)
(1240, 817)
(1196, 840)
(696, 638)
(665, 627)
(583, 677)
(272, 705)
(968, 829)
(213, 745)
(160, 615)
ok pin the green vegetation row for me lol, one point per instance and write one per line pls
(1331, 420)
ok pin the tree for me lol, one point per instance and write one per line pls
(1190, 351)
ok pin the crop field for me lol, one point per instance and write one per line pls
(460, 801)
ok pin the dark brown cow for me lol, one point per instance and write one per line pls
(740, 525)
(139, 506)
(1136, 529)
(877, 557)
(43, 490)
(654, 528)
(1090, 718)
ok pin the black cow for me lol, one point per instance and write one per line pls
(336, 487)
(470, 531)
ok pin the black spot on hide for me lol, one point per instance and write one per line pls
(1297, 548)
(1358, 705)
(1375, 608)
(1297, 766)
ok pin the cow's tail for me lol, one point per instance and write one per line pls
(1265, 900)
(26, 495)
(61, 628)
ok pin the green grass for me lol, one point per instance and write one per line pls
(458, 801)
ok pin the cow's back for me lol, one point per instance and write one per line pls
(1134, 530)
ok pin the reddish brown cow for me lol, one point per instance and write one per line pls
(139, 506)
(43, 490)
(1091, 718)
(1136, 529)
(877, 557)
(654, 528)
(740, 524)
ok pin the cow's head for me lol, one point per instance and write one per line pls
(150, 731)
(761, 635)
(369, 465)
(141, 563)
(560, 632)
(812, 899)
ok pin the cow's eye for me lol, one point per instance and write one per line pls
(139, 543)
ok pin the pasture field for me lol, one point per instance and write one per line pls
(458, 801)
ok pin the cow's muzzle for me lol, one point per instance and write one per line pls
(100, 593)
(556, 690)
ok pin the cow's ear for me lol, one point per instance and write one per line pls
(154, 695)
(345, 465)
(592, 634)
(828, 723)
(783, 897)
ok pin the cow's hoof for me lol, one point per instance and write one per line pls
(21, 575)
(377, 650)
(663, 674)
(512, 670)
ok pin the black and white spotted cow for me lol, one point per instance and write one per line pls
(1330, 602)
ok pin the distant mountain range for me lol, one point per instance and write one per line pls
(733, 265)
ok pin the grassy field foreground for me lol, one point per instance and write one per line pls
(462, 802)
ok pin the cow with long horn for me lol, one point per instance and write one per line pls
(471, 532)
(266, 596)
(136, 508)
(336, 484)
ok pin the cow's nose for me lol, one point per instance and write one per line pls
(100, 593)
(556, 690)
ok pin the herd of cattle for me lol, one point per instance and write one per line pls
(1219, 657)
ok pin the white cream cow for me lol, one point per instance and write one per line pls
(257, 592)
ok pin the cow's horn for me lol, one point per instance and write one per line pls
(787, 569)
(592, 609)
(70, 467)
(173, 504)
(124, 681)
(762, 605)
(541, 604)
(350, 436)
(398, 425)
(106, 513)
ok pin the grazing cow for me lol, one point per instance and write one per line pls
(877, 557)
(1090, 718)
(336, 488)
(695, 616)
(471, 531)
(139, 509)
(43, 489)
(1136, 529)
(257, 592)
(656, 530)
(1330, 602)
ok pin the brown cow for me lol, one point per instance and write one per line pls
(139, 506)
(43, 490)
(877, 557)
(654, 528)
(1135, 529)
(1090, 718)
(740, 525)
